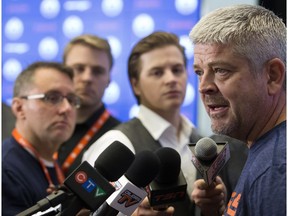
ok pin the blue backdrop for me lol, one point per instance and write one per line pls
(39, 30)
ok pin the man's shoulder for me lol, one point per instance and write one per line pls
(13, 152)
(9, 148)
(16, 160)
(128, 124)
(114, 120)
(133, 129)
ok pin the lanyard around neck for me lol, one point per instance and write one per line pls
(84, 141)
(25, 144)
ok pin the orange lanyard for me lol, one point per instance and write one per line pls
(25, 144)
(84, 141)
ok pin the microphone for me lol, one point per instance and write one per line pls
(209, 158)
(52, 200)
(129, 188)
(93, 188)
(89, 187)
(170, 185)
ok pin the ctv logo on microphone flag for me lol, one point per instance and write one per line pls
(89, 185)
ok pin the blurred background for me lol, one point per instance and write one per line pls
(39, 30)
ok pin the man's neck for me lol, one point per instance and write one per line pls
(47, 153)
(44, 149)
(175, 120)
(278, 116)
(173, 117)
(85, 112)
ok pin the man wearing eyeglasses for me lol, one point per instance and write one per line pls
(91, 59)
(44, 104)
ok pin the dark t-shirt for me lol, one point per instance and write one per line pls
(261, 189)
(23, 180)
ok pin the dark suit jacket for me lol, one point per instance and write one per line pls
(8, 121)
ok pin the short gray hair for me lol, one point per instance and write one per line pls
(252, 31)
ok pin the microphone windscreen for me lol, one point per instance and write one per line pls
(206, 149)
(170, 165)
(144, 168)
(114, 161)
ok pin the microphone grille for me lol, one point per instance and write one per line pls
(206, 149)
(170, 163)
(144, 168)
(114, 161)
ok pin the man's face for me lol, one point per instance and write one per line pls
(233, 97)
(46, 122)
(91, 74)
(162, 79)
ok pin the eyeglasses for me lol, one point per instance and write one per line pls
(55, 98)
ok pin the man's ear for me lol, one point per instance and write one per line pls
(135, 85)
(276, 75)
(17, 108)
(109, 81)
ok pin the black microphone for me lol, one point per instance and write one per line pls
(170, 185)
(93, 192)
(209, 158)
(130, 190)
(88, 187)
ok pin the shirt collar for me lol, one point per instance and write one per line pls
(187, 126)
(156, 125)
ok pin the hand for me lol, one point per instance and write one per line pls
(51, 188)
(84, 212)
(145, 209)
(211, 200)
